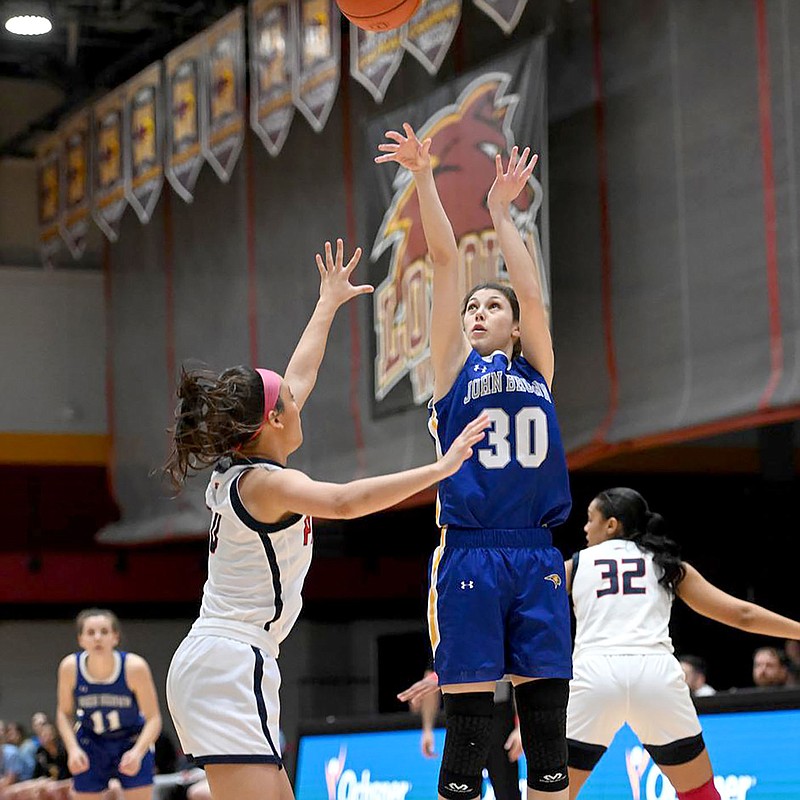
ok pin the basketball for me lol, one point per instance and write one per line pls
(378, 15)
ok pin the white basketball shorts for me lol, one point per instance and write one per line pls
(646, 691)
(223, 698)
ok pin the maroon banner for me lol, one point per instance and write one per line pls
(273, 56)
(74, 218)
(429, 33)
(506, 13)
(223, 133)
(48, 157)
(316, 79)
(108, 163)
(374, 59)
(144, 173)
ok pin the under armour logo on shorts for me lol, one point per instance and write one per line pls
(467, 584)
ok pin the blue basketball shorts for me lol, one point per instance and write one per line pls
(498, 605)
(104, 756)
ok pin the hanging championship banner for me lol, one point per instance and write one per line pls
(506, 13)
(223, 132)
(184, 88)
(144, 173)
(74, 217)
(374, 59)
(273, 55)
(428, 34)
(316, 78)
(469, 120)
(108, 163)
(48, 157)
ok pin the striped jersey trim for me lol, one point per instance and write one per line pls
(433, 594)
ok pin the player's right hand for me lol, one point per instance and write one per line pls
(77, 761)
(426, 744)
(461, 449)
(407, 151)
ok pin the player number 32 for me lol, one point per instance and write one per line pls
(531, 439)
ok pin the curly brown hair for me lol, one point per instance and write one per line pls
(216, 416)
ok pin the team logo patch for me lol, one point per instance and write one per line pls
(555, 579)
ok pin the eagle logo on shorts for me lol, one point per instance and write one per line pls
(555, 579)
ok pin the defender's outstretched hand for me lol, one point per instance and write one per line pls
(334, 284)
(508, 184)
(407, 151)
(461, 449)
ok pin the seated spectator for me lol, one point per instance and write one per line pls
(38, 718)
(769, 668)
(10, 764)
(51, 757)
(26, 750)
(694, 670)
(792, 650)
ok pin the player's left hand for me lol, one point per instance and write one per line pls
(427, 685)
(513, 745)
(334, 275)
(130, 763)
(508, 183)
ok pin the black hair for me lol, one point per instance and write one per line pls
(216, 416)
(696, 663)
(647, 529)
(509, 294)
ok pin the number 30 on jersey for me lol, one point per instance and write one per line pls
(531, 439)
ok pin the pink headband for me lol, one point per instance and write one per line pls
(272, 388)
(271, 382)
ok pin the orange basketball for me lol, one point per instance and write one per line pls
(378, 15)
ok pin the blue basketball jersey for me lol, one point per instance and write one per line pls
(106, 708)
(517, 475)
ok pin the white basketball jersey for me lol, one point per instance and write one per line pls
(255, 570)
(620, 607)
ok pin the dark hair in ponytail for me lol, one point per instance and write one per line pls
(217, 414)
(510, 295)
(647, 529)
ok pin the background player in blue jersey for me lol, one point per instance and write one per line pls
(497, 602)
(110, 696)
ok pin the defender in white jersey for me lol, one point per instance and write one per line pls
(222, 686)
(624, 669)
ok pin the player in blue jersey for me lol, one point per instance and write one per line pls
(497, 602)
(108, 713)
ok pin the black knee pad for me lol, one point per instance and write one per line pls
(468, 718)
(678, 752)
(542, 710)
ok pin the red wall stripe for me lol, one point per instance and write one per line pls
(585, 456)
(605, 224)
(252, 274)
(351, 232)
(770, 215)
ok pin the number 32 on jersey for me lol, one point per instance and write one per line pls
(531, 439)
